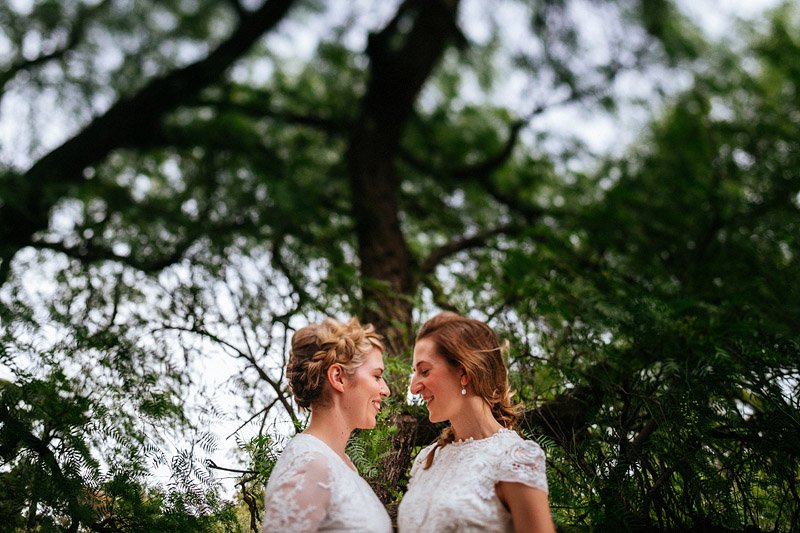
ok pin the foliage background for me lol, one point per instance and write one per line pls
(183, 184)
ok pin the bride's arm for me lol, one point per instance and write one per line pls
(530, 511)
(299, 502)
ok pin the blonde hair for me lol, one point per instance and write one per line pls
(474, 346)
(318, 346)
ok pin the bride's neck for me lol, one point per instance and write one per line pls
(475, 421)
(330, 427)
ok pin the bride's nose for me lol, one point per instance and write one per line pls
(416, 386)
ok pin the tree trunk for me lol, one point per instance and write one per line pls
(400, 63)
(401, 60)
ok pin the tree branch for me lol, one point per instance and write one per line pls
(89, 253)
(275, 385)
(261, 108)
(482, 172)
(439, 297)
(213, 465)
(281, 266)
(75, 35)
(238, 8)
(459, 245)
(68, 487)
(129, 122)
(260, 411)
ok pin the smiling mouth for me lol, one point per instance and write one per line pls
(427, 400)
(376, 405)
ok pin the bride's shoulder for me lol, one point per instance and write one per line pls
(305, 453)
(419, 460)
(510, 445)
(303, 441)
(423, 453)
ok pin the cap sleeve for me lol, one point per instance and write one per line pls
(524, 462)
(298, 501)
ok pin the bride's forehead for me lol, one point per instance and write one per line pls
(424, 351)
(374, 358)
(425, 345)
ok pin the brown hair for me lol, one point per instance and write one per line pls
(475, 347)
(318, 346)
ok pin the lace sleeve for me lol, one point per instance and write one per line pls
(300, 498)
(524, 463)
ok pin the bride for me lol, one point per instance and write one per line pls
(479, 475)
(336, 371)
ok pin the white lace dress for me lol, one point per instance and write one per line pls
(312, 489)
(457, 493)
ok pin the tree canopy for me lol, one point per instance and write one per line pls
(184, 183)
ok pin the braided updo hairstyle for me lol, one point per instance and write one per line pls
(474, 346)
(318, 346)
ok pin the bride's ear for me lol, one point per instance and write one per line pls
(464, 380)
(336, 377)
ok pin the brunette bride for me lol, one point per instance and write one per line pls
(480, 475)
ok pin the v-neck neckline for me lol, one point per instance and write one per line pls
(349, 466)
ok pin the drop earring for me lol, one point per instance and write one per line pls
(463, 390)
